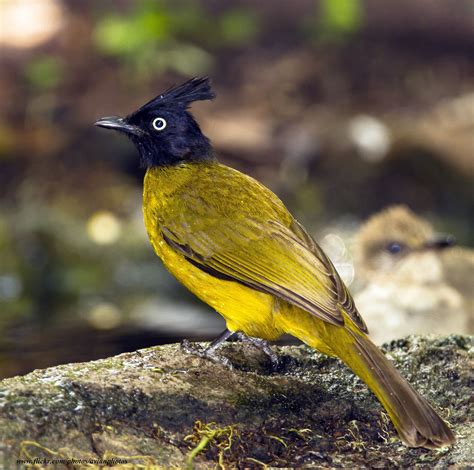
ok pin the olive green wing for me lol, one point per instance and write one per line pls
(265, 255)
(270, 260)
(232, 227)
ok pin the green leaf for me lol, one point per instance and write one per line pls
(239, 27)
(45, 72)
(340, 16)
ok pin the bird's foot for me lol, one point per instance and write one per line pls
(262, 345)
(205, 353)
(211, 351)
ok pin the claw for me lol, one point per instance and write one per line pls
(261, 344)
(209, 353)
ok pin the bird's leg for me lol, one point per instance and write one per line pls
(211, 351)
(261, 344)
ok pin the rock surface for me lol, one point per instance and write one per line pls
(160, 406)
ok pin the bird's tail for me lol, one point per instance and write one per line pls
(415, 420)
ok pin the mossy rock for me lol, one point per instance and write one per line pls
(160, 406)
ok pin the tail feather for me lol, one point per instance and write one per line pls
(416, 421)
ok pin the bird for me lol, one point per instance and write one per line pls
(412, 280)
(233, 243)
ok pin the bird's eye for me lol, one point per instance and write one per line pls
(394, 248)
(159, 123)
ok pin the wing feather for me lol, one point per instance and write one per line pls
(259, 246)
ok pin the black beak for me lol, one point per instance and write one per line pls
(440, 242)
(117, 123)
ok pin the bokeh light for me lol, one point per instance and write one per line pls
(104, 228)
(29, 23)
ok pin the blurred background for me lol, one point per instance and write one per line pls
(340, 106)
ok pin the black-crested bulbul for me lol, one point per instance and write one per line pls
(233, 243)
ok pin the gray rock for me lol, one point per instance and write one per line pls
(161, 406)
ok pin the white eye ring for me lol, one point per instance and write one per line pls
(159, 123)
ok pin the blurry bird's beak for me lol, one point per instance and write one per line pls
(118, 124)
(440, 241)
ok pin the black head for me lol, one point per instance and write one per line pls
(163, 130)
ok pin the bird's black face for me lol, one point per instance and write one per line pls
(164, 132)
(167, 137)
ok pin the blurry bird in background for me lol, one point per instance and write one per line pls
(414, 280)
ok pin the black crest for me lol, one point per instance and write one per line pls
(181, 96)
